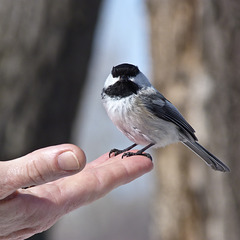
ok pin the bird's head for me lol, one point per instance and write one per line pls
(124, 80)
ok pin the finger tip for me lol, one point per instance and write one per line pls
(68, 157)
(140, 158)
(139, 162)
(79, 155)
(145, 162)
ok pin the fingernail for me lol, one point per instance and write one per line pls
(68, 161)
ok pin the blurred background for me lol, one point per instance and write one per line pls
(54, 59)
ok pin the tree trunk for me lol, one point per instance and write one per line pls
(193, 55)
(45, 48)
(221, 52)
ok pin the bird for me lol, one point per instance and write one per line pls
(146, 117)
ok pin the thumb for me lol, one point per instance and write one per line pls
(41, 166)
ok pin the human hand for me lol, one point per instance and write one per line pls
(25, 212)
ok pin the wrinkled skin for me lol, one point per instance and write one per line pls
(57, 181)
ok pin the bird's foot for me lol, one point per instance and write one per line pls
(115, 152)
(138, 153)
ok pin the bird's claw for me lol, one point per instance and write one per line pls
(139, 153)
(115, 152)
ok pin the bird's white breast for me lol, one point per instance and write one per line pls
(140, 126)
(122, 114)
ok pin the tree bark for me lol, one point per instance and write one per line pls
(195, 48)
(221, 53)
(45, 48)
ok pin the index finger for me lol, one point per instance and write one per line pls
(96, 181)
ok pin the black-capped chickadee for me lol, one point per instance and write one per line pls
(146, 117)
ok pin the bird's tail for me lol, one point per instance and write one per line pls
(209, 158)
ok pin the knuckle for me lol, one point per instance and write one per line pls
(33, 173)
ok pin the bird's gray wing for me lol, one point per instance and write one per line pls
(158, 105)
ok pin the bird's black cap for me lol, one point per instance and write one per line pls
(125, 69)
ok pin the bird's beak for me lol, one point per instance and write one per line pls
(123, 78)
